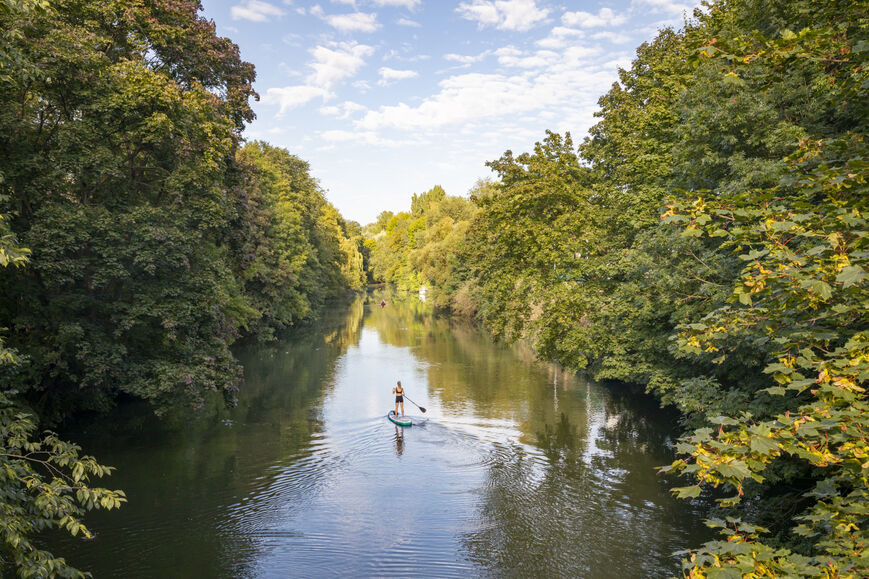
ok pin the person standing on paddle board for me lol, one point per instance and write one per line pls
(399, 398)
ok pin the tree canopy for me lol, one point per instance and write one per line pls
(155, 240)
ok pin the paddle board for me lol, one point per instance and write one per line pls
(399, 420)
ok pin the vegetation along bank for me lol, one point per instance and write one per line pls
(708, 240)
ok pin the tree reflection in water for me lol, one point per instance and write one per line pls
(583, 504)
(573, 492)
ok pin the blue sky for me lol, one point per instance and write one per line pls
(386, 98)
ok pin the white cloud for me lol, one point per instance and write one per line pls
(604, 17)
(463, 98)
(343, 111)
(409, 4)
(513, 57)
(362, 86)
(614, 37)
(402, 55)
(408, 22)
(519, 15)
(364, 137)
(467, 59)
(336, 62)
(332, 64)
(354, 22)
(290, 97)
(390, 74)
(561, 37)
(555, 83)
(508, 51)
(485, 13)
(255, 11)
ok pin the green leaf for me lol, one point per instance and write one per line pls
(763, 444)
(851, 275)
(686, 492)
(735, 469)
(754, 254)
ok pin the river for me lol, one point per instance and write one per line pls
(515, 469)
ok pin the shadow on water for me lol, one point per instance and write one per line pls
(399, 440)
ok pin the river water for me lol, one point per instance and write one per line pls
(515, 469)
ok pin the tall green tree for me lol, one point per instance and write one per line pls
(44, 482)
(297, 250)
(438, 259)
(118, 141)
(795, 215)
(422, 248)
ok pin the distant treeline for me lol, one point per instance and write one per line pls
(709, 240)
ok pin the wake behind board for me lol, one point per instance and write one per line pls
(399, 420)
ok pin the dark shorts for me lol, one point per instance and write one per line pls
(399, 399)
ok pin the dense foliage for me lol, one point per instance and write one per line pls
(708, 240)
(44, 484)
(421, 248)
(299, 251)
(156, 242)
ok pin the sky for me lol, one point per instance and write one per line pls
(387, 98)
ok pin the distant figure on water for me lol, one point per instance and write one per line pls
(382, 304)
(399, 398)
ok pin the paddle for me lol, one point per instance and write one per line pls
(415, 404)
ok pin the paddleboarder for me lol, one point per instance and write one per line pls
(399, 398)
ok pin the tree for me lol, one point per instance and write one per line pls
(44, 484)
(421, 204)
(297, 249)
(800, 234)
(117, 144)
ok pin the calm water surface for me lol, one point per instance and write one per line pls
(516, 469)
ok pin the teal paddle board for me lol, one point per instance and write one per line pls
(399, 420)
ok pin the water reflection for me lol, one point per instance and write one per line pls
(399, 441)
(584, 500)
(187, 477)
(569, 486)
(515, 469)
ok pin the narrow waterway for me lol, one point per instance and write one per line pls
(515, 469)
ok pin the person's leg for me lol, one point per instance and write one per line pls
(396, 408)
(402, 407)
